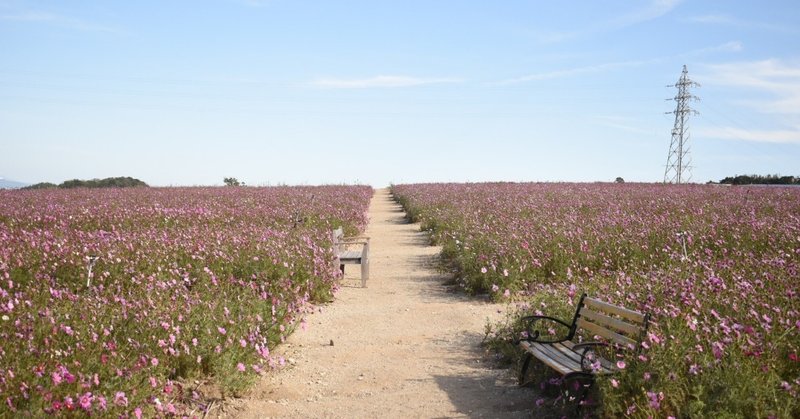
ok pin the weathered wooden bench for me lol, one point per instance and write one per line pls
(612, 326)
(344, 256)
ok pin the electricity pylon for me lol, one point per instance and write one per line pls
(678, 169)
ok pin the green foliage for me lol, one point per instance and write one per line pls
(112, 182)
(232, 181)
(761, 180)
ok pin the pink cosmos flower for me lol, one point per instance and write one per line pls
(86, 402)
(655, 399)
(120, 399)
(241, 367)
(621, 365)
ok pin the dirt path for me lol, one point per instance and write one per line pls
(405, 346)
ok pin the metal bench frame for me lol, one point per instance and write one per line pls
(617, 326)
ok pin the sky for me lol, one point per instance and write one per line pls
(378, 92)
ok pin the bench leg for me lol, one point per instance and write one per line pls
(341, 267)
(364, 274)
(524, 371)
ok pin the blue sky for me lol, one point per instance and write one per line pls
(310, 92)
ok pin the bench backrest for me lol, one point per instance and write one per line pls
(613, 323)
(338, 247)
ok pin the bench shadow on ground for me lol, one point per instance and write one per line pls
(497, 395)
(487, 389)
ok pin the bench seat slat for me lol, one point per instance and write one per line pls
(606, 333)
(598, 305)
(561, 357)
(537, 350)
(350, 255)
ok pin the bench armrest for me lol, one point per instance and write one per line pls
(354, 240)
(350, 242)
(585, 349)
(534, 336)
(356, 237)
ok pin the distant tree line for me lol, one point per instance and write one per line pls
(761, 180)
(112, 182)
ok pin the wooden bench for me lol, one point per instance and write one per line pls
(344, 256)
(616, 327)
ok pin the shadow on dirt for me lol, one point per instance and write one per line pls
(497, 395)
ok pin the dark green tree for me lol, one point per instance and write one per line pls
(232, 181)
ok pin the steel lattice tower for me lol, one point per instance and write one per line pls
(678, 169)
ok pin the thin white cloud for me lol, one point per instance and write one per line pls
(567, 72)
(57, 20)
(714, 19)
(763, 136)
(621, 123)
(732, 46)
(777, 80)
(775, 77)
(380, 82)
(727, 20)
(654, 10)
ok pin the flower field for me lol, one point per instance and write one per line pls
(717, 267)
(115, 302)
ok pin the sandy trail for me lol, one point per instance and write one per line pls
(406, 346)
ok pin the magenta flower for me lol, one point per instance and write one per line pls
(86, 401)
(120, 399)
(655, 399)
